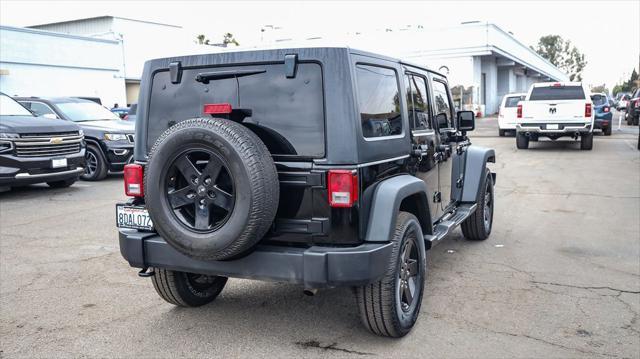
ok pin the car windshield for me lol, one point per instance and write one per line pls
(86, 111)
(546, 93)
(599, 100)
(512, 101)
(11, 107)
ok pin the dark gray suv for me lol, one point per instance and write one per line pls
(109, 139)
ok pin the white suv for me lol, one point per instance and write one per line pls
(554, 110)
(507, 115)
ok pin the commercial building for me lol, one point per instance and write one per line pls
(138, 40)
(482, 61)
(104, 57)
(43, 63)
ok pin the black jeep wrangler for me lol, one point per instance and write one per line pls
(325, 167)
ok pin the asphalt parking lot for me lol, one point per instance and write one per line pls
(559, 276)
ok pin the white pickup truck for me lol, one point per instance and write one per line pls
(554, 110)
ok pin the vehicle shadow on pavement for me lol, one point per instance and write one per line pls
(553, 145)
(260, 311)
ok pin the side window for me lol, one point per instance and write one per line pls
(379, 101)
(41, 109)
(417, 102)
(442, 105)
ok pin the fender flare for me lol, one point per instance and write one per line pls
(385, 205)
(474, 171)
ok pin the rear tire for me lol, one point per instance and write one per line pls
(607, 131)
(586, 142)
(187, 289)
(477, 227)
(388, 307)
(522, 141)
(96, 164)
(62, 184)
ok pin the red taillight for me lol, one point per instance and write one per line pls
(557, 84)
(343, 188)
(587, 110)
(519, 111)
(133, 180)
(217, 108)
(606, 109)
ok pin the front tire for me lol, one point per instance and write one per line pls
(95, 164)
(477, 227)
(390, 307)
(522, 141)
(187, 289)
(586, 142)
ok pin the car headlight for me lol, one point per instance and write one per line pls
(115, 137)
(9, 135)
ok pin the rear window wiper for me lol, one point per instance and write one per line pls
(205, 77)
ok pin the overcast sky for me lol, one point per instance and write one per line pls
(607, 32)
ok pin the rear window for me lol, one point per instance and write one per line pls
(512, 101)
(557, 93)
(598, 100)
(286, 113)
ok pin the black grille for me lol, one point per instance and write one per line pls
(48, 144)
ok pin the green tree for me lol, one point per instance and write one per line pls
(227, 39)
(600, 88)
(202, 39)
(629, 85)
(562, 54)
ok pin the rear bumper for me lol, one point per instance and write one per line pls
(314, 267)
(563, 128)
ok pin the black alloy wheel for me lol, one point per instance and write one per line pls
(199, 189)
(91, 164)
(409, 279)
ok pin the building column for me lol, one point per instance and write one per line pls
(490, 85)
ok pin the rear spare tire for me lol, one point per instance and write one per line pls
(211, 188)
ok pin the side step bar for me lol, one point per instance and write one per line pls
(449, 222)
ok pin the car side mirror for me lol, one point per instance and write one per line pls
(50, 116)
(466, 120)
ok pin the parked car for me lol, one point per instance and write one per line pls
(622, 99)
(507, 114)
(555, 110)
(37, 149)
(109, 139)
(603, 117)
(131, 116)
(120, 111)
(338, 168)
(633, 108)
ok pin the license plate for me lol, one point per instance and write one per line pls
(552, 127)
(133, 217)
(58, 162)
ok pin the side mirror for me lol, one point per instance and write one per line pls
(50, 116)
(466, 120)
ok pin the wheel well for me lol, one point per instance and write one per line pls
(418, 205)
